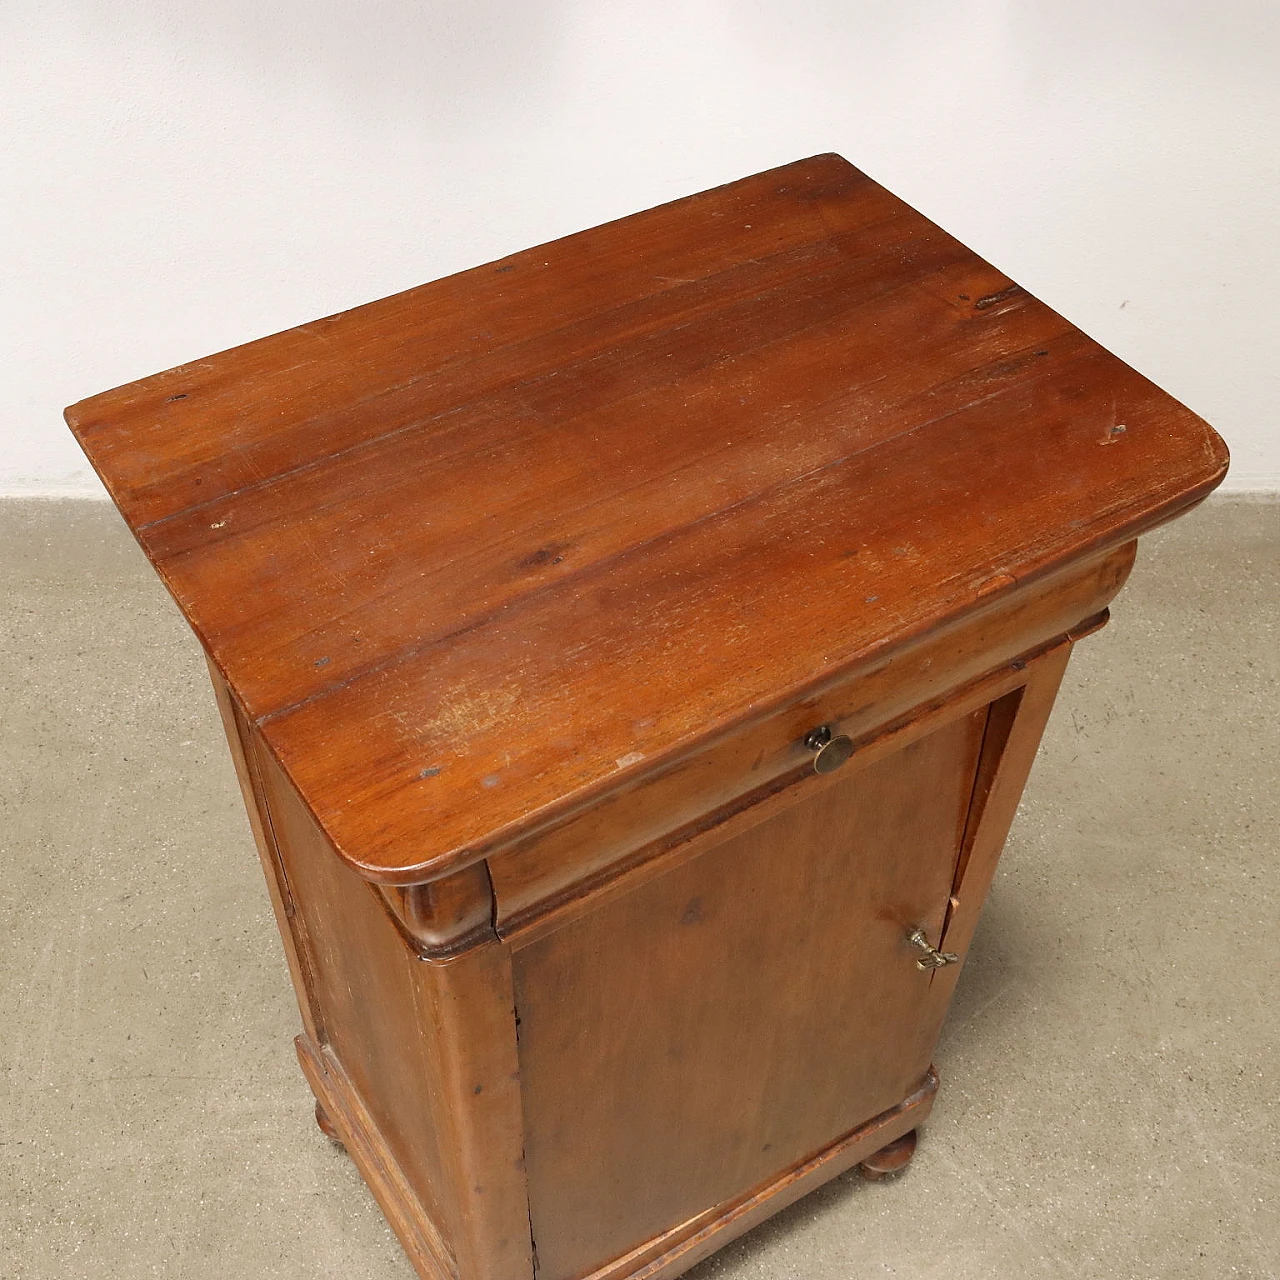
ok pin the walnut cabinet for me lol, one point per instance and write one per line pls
(632, 653)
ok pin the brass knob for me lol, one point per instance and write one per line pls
(932, 958)
(829, 753)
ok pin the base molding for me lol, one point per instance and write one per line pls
(660, 1258)
(684, 1246)
(356, 1130)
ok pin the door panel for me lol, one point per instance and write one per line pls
(689, 1040)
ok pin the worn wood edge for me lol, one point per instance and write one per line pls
(860, 707)
(1158, 510)
(799, 784)
(1159, 507)
(442, 918)
(1041, 563)
(573, 803)
(888, 649)
(567, 806)
(358, 1133)
(677, 1250)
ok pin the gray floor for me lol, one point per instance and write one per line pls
(1110, 1069)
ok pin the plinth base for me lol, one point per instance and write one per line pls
(871, 1145)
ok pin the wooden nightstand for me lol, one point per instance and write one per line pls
(633, 652)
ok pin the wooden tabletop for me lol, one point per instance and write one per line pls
(476, 552)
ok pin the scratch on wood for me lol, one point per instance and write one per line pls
(467, 714)
(1000, 296)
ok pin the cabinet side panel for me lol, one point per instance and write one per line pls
(238, 735)
(688, 1041)
(365, 981)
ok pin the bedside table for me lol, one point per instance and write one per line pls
(632, 653)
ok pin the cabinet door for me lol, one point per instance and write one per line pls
(686, 1042)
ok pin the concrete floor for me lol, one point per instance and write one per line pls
(1110, 1069)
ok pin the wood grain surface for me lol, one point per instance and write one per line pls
(473, 555)
(682, 1043)
(522, 591)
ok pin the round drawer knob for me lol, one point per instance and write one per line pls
(828, 753)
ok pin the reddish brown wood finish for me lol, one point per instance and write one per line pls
(702, 1235)
(324, 1121)
(890, 1159)
(720, 1027)
(521, 592)
(476, 554)
(744, 767)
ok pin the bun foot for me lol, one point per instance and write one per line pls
(327, 1126)
(890, 1159)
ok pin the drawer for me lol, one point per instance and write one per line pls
(541, 875)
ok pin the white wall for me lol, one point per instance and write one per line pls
(180, 176)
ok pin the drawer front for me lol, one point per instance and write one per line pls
(687, 1040)
(539, 875)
